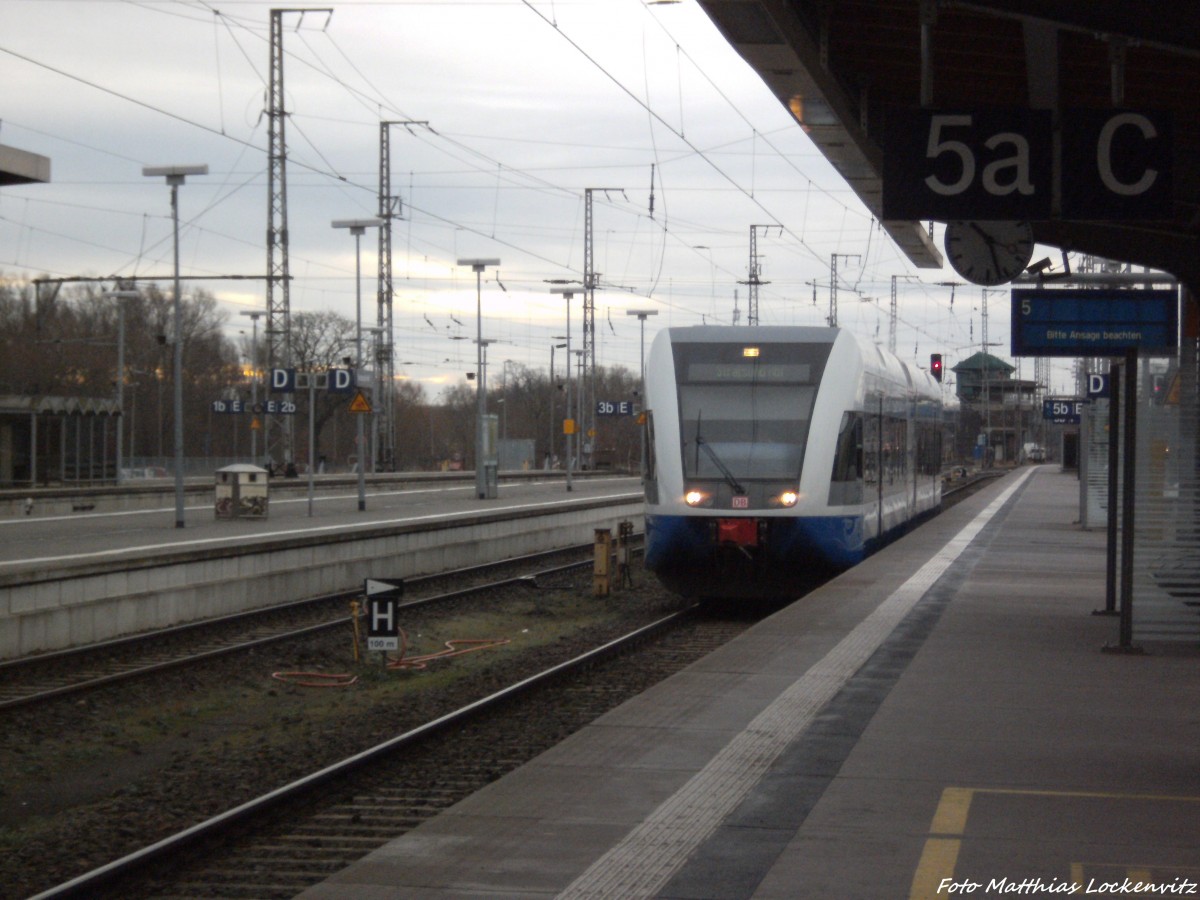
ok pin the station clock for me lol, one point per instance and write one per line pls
(989, 253)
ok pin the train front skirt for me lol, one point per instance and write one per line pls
(715, 556)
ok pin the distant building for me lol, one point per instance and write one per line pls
(57, 440)
(998, 411)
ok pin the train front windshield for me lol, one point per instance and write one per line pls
(746, 407)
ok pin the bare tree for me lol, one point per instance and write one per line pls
(65, 344)
(457, 432)
(413, 426)
(322, 341)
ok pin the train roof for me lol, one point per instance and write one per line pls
(766, 334)
(875, 359)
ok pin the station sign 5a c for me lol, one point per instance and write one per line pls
(999, 164)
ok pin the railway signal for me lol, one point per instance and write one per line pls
(383, 626)
(935, 366)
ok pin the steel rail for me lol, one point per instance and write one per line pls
(85, 884)
(237, 646)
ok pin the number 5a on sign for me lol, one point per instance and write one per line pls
(968, 164)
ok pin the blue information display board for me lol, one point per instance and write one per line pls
(1060, 322)
(1062, 410)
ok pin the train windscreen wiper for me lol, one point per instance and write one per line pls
(702, 444)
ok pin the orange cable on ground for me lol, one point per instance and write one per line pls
(320, 679)
(454, 647)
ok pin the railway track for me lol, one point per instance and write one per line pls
(48, 676)
(956, 491)
(439, 767)
(285, 841)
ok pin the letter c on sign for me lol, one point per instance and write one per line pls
(1104, 154)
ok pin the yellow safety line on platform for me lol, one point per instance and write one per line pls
(940, 853)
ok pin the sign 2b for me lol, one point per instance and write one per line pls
(999, 164)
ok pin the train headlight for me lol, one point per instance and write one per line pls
(697, 498)
(788, 498)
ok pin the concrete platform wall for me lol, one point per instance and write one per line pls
(71, 606)
(200, 492)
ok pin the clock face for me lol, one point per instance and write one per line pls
(989, 252)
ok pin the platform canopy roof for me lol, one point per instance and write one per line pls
(22, 167)
(11, 404)
(840, 66)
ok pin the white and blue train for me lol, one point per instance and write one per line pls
(778, 455)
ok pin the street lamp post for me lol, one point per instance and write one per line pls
(121, 297)
(485, 492)
(377, 390)
(504, 400)
(477, 266)
(550, 446)
(175, 176)
(580, 369)
(254, 315)
(567, 294)
(642, 315)
(358, 228)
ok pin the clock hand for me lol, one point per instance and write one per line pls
(987, 238)
(991, 245)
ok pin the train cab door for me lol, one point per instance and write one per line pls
(873, 463)
(910, 464)
(649, 457)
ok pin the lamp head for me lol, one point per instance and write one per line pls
(478, 265)
(174, 174)
(357, 226)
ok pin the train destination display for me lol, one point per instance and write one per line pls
(1109, 322)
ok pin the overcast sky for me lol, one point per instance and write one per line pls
(527, 105)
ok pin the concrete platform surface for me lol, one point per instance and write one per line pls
(68, 581)
(940, 721)
(39, 541)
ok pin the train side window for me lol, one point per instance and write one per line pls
(873, 438)
(929, 448)
(845, 484)
(895, 449)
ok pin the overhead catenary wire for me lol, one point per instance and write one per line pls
(311, 167)
(523, 178)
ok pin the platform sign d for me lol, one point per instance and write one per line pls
(283, 381)
(383, 621)
(342, 381)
